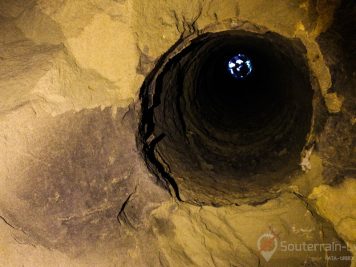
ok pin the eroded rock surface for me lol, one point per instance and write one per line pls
(74, 188)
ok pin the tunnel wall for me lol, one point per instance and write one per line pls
(74, 69)
(214, 134)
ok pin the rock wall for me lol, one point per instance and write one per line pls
(74, 186)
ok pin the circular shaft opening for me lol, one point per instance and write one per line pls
(220, 131)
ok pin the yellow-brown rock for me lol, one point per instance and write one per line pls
(76, 188)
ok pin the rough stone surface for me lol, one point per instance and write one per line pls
(337, 204)
(75, 182)
(190, 235)
(74, 189)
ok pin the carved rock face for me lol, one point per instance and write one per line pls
(122, 145)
